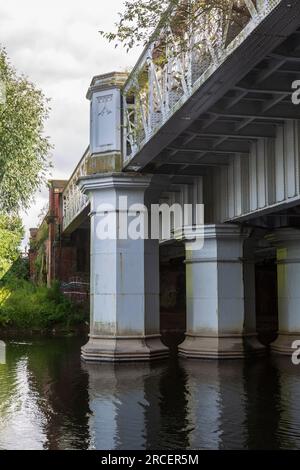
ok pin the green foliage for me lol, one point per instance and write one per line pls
(18, 270)
(143, 19)
(24, 149)
(41, 237)
(138, 21)
(26, 306)
(11, 234)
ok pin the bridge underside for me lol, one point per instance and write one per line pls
(246, 141)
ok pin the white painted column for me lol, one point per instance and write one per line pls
(250, 246)
(216, 326)
(287, 241)
(124, 275)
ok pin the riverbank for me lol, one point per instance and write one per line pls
(31, 309)
(56, 332)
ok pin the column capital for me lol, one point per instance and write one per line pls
(226, 231)
(106, 81)
(219, 231)
(102, 181)
(281, 235)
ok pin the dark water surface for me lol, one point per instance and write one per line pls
(50, 400)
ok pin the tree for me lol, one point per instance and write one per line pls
(24, 148)
(142, 19)
(11, 234)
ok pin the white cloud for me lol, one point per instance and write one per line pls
(58, 46)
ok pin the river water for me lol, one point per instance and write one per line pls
(50, 400)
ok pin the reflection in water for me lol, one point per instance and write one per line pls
(216, 404)
(264, 403)
(118, 404)
(43, 396)
(289, 417)
(50, 400)
(21, 420)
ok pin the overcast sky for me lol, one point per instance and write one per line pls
(57, 45)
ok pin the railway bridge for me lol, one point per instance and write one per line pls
(214, 124)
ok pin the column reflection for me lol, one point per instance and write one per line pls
(216, 409)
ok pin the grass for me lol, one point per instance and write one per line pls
(26, 306)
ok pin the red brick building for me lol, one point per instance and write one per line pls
(53, 256)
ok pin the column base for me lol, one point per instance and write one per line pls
(220, 347)
(124, 349)
(283, 344)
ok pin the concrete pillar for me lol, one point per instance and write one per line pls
(249, 249)
(125, 322)
(216, 324)
(287, 241)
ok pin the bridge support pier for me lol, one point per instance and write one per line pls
(216, 324)
(125, 323)
(287, 241)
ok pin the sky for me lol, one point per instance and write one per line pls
(58, 46)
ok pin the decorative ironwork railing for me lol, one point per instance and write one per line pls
(167, 74)
(73, 199)
(172, 67)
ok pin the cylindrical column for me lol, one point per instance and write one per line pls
(216, 324)
(125, 322)
(287, 241)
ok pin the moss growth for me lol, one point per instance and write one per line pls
(26, 306)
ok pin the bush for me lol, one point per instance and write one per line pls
(18, 270)
(26, 306)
